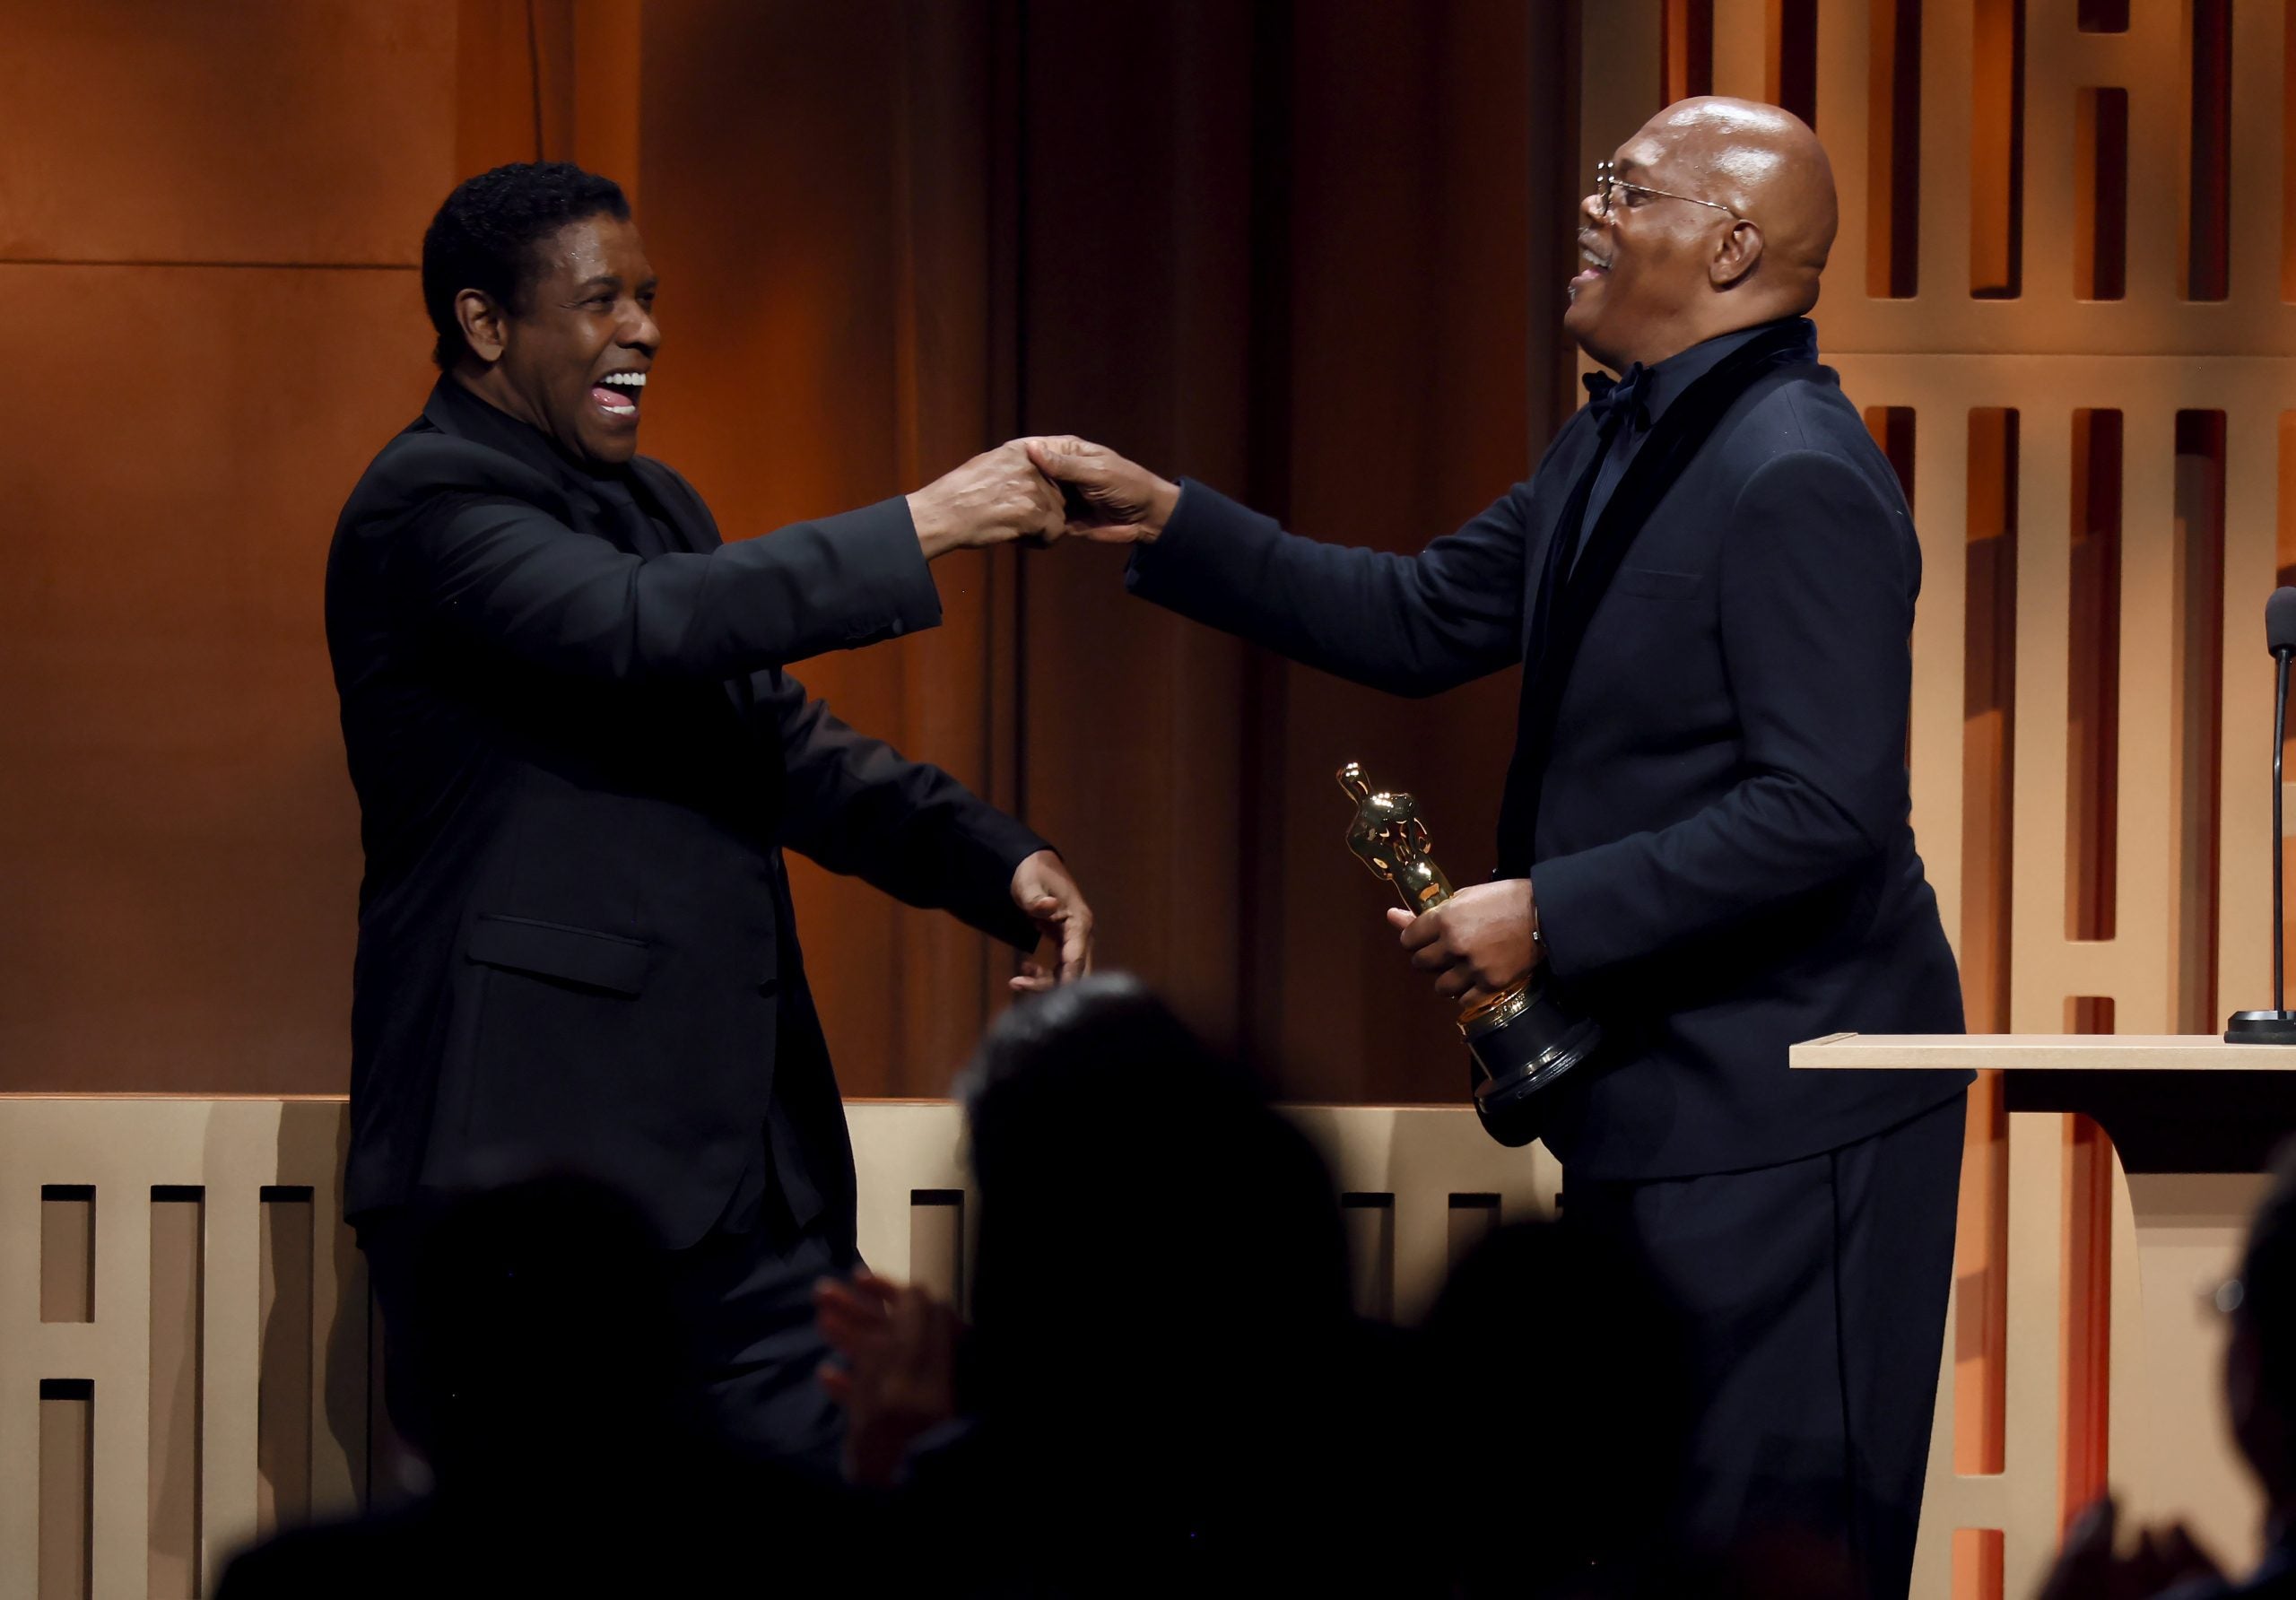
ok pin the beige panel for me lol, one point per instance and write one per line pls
(67, 1256)
(282, 1450)
(1369, 1222)
(2183, 1462)
(2038, 1052)
(2021, 1499)
(125, 1145)
(176, 1226)
(936, 1242)
(899, 1147)
(1473, 1219)
(65, 1427)
(1423, 1156)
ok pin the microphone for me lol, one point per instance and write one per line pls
(2278, 1025)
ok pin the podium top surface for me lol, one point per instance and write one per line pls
(2041, 1052)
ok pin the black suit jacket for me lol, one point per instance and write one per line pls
(1723, 861)
(578, 759)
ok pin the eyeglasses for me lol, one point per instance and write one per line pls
(1607, 183)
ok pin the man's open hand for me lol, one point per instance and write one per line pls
(895, 1372)
(1478, 942)
(1110, 499)
(1042, 888)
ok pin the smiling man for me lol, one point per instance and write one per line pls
(578, 758)
(1709, 585)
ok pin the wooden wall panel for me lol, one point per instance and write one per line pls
(178, 850)
(274, 131)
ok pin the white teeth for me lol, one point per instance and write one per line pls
(634, 381)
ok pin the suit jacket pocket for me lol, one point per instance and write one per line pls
(1654, 584)
(578, 955)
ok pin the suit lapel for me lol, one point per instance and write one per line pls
(1672, 440)
(660, 493)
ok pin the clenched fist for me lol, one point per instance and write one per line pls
(1113, 500)
(996, 497)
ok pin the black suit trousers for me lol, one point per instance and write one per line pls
(1815, 1294)
(745, 1298)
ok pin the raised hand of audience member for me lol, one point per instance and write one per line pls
(895, 1374)
(2092, 1567)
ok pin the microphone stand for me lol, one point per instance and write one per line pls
(2276, 1026)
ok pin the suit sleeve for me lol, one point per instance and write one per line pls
(1816, 590)
(859, 806)
(1409, 624)
(511, 575)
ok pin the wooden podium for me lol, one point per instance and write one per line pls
(2194, 1122)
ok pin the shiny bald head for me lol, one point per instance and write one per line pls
(1662, 271)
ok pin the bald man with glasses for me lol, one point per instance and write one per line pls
(1709, 585)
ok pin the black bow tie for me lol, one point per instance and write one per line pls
(1628, 395)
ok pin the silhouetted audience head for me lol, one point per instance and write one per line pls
(2260, 1362)
(1560, 1382)
(1134, 1185)
(1164, 1348)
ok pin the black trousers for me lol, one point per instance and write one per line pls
(1814, 1294)
(745, 1300)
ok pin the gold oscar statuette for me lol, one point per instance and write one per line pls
(1521, 1040)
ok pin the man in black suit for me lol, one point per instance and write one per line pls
(1709, 583)
(578, 759)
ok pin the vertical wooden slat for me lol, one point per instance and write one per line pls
(1994, 73)
(2197, 720)
(936, 1242)
(66, 1489)
(1369, 1222)
(67, 1252)
(2092, 676)
(284, 1389)
(177, 1219)
(2206, 264)
(1473, 1218)
(2100, 194)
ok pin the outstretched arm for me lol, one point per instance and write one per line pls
(505, 569)
(1409, 625)
(859, 806)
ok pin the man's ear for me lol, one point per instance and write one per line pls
(485, 324)
(1735, 255)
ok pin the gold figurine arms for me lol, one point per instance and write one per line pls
(1389, 838)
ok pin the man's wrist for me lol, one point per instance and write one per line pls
(934, 536)
(1163, 501)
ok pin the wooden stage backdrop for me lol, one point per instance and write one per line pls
(1309, 250)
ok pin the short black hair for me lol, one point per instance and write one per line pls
(483, 237)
